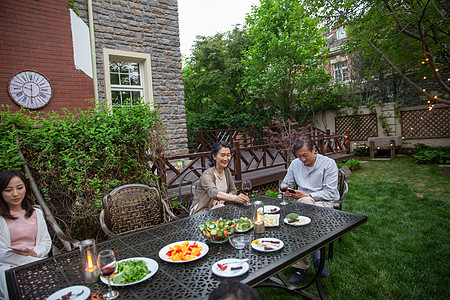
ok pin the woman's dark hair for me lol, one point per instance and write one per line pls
(27, 203)
(232, 289)
(302, 141)
(215, 149)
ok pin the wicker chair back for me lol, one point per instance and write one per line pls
(132, 207)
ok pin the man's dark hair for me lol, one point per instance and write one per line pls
(215, 149)
(232, 289)
(302, 141)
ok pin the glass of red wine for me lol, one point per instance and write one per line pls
(107, 266)
(283, 189)
(247, 188)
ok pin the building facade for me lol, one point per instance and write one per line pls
(136, 49)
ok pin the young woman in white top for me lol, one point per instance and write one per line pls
(24, 237)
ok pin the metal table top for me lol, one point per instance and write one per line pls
(190, 280)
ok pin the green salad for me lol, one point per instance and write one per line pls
(243, 223)
(292, 216)
(130, 271)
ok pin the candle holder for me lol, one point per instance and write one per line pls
(258, 217)
(89, 261)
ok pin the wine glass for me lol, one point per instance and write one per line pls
(107, 265)
(247, 188)
(283, 189)
(239, 241)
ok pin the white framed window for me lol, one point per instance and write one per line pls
(128, 77)
(340, 33)
(340, 70)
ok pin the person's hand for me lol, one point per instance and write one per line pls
(297, 194)
(241, 198)
(27, 252)
(216, 202)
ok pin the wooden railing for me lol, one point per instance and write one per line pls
(247, 159)
(243, 160)
(201, 140)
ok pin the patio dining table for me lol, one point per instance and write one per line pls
(194, 279)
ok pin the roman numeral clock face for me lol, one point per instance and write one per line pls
(30, 89)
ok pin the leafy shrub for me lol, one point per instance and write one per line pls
(433, 157)
(420, 147)
(271, 193)
(352, 164)
(361, 150)
(77, 158)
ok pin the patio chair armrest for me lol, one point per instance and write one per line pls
(171, 214)
(61, 235)
(104, 227)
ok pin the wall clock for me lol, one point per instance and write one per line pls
(30, 89)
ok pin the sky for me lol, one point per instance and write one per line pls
(208, 17)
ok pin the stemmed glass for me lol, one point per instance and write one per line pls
(247, 188)
(239, 241)
(107, 265)
(283, 189)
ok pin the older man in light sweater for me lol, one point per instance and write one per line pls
(316, 178)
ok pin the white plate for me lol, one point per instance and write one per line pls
(271, 220)
(75, 289)
(152, 266)
(271, 209)
(259, 247)
(300, 218)
(227, 272)
(165, 249)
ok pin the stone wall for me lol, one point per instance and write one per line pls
(151, 27)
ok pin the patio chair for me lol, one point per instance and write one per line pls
(343, 190)
(192, 181)
(132, 207)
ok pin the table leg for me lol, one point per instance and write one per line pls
(279, 281)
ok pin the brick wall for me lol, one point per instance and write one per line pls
(36, 35)
(146, 26)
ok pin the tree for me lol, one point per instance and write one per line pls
(214, 95)
(405, 34)
(284, 65)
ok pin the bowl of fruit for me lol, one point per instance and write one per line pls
(218, 231)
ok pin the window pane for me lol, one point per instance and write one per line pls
(135, 79)
(116, 100)
(114, 78)
(113, 67)
(124, 79)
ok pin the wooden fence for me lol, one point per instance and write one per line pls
(263, 164)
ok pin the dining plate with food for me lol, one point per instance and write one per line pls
(183, 251)
(131, 271)
(243, 224)
(295, 219)
(267, 244)
(75, 292)
(230, 267)
(271, 209)
(271, 220)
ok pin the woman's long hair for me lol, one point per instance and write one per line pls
(27, 203)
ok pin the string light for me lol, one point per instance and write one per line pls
(437, 70)
(424, 77)
(423, 63)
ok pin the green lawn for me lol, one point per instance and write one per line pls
(403, 251)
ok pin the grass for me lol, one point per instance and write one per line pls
(403, 251)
